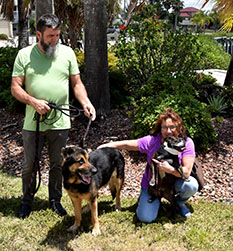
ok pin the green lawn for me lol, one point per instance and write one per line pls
(209, 228)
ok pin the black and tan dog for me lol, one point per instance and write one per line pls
(84, 174)
(161, 183)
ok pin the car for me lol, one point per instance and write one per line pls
(111, 29)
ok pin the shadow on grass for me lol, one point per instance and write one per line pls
(10, 206)
(59, 237)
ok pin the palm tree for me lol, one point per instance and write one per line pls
(177, 5)
(42, 7)
(96, 60)
(200, 18)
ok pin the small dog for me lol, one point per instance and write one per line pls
(161, 183)
(84, 174)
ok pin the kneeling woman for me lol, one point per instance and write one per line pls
(169, 123)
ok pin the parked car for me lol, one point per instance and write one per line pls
(112, 29)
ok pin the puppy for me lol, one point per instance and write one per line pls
(84, 174)
(161, 183)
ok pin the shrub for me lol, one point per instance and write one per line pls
(7, 58)
(3, 36)
(214, 55)
(160, 66)
(196, 118)
(217, 105)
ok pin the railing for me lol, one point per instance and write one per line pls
(227, 43)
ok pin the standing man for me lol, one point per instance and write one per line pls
(45, 70)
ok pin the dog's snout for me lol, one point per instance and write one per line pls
(94, 170)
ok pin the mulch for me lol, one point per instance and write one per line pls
(217, 161)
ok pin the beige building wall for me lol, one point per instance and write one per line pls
(6, 27)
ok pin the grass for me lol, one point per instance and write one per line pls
(209, 228)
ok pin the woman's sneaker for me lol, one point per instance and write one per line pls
(183, 211)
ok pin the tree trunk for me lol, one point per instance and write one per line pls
(43, 7)
(23, 24)
(96, 56)
(229, 76)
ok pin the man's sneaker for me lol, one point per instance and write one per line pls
(183, 211)
(57, 208)
(24, 211)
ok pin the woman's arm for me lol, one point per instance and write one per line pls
(130, 145)
(187, 165)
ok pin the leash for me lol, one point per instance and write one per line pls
(70, 111)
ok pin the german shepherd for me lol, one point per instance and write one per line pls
(84, 174)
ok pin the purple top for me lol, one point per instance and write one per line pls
(150, 145)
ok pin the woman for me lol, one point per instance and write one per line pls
(169, 123)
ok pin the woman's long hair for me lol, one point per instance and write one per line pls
(169, 113)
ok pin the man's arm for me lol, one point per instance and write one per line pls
(21, 95)
(81, 95)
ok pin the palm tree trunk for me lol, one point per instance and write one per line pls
(229, 76)
(23, 24)
(43, 7)
(96, 57)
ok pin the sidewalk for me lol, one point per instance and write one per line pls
(220, 75)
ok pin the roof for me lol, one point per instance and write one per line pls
(185, 15)
(190, 9)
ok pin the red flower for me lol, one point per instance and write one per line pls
(156, 16)
(122, 27)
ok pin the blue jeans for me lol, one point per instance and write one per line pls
(148, 212)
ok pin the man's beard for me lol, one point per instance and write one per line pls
(50, 51)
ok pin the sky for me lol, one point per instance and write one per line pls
(197, 4)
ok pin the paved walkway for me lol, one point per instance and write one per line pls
(220, 75)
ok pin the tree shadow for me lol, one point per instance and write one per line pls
(10, 206)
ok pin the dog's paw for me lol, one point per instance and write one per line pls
(96, 231)
(118, 208)
(73, 228)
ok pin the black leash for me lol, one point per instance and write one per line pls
(68, 110)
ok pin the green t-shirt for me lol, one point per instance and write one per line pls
(48, 79)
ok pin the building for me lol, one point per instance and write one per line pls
(6, 27)
(187, 14)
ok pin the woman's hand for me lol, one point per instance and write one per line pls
(164, 166)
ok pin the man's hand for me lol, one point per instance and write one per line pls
(89, 111)
(41, 106)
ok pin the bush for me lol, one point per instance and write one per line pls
(196, 118)
(160, 65)
(3, 36)
(7, 58)
(214, 55)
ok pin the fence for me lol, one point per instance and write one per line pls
(227, 43)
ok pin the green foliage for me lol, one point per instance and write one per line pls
(7, 58)
(3, 36)
(217, 105)
(213, 54)
(195, 116)
(146, 51)
(119, 93)
(160, 65)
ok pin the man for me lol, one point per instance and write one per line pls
(45, 70)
